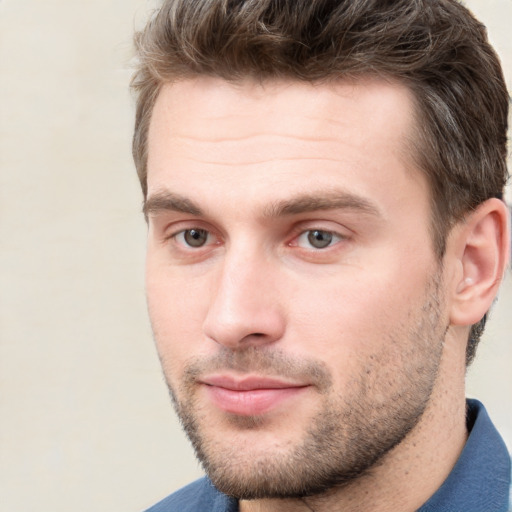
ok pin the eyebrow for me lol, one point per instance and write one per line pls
(167, 201)
(330, 200)
(303, 203)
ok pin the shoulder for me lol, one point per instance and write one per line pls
(199, 495)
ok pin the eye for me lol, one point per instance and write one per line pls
(193, 237)
(317, 238)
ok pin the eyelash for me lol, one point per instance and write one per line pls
(326, 238)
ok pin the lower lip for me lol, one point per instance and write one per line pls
(251, 402)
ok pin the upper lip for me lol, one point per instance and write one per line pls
(248, 383)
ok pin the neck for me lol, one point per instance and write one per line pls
(410, 474)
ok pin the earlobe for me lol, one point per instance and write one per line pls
(483, 252)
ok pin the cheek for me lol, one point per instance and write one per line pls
(177, 310)
(351, 319)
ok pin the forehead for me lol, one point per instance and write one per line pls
(384, 105)
(286, 135)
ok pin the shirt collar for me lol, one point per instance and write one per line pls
(480, 480)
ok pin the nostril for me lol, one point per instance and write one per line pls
(254, 339)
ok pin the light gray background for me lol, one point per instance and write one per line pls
(85, 421)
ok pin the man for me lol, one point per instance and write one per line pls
(323, 187)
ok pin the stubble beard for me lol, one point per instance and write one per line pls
(346, 438)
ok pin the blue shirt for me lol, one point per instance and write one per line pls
(479, 481)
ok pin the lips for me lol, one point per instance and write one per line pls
(251, 395)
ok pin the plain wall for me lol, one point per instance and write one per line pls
(85, 420)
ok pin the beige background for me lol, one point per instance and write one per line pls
(85, 421)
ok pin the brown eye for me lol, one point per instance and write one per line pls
(195, 237)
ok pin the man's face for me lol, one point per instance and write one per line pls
(295, 298)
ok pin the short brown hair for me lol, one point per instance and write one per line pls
(436, 47)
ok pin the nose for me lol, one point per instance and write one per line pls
(245, 307)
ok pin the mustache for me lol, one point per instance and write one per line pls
(262, 361)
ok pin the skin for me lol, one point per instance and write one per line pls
(371, 321)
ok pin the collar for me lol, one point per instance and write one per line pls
(480, 480)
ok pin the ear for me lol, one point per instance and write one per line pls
(481, 249)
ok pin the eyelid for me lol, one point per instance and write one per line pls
(324, 225)
(171, 229)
